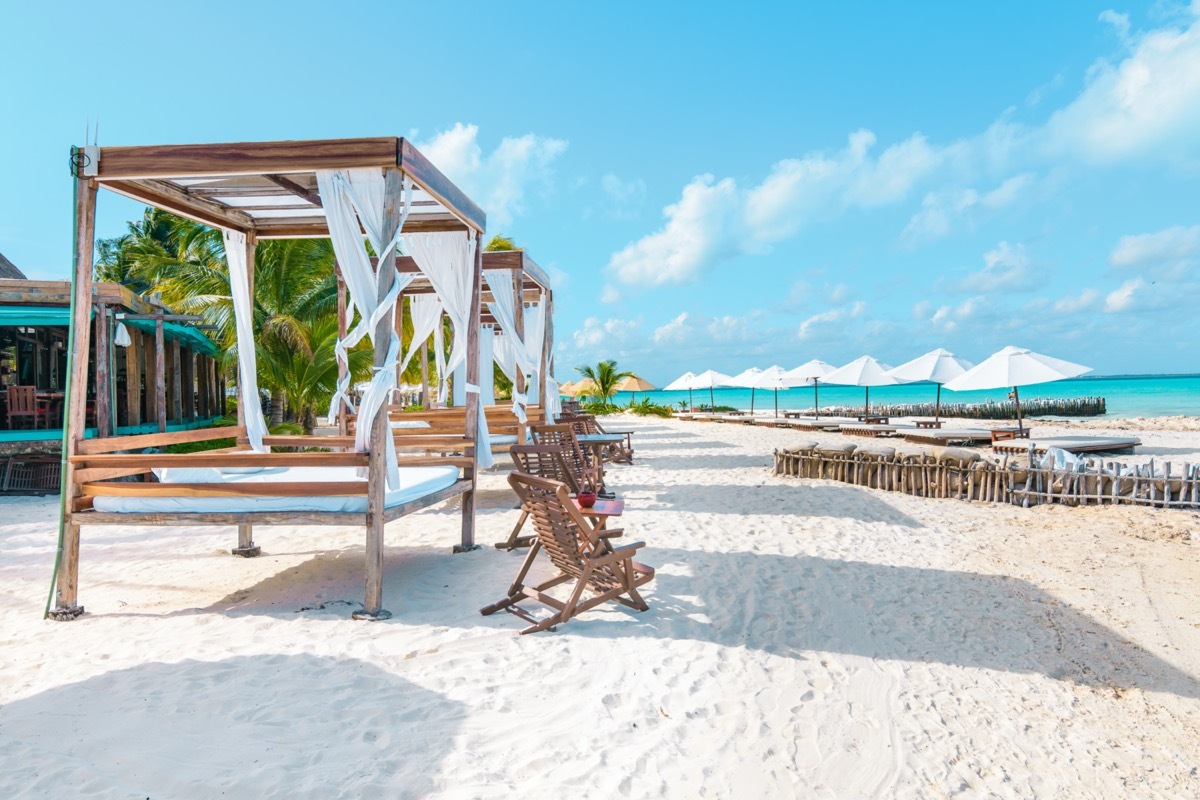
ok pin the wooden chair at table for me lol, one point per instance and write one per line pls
(544, 461)
(23, 406)
(578, 551)
(587, 424)
(580, 460)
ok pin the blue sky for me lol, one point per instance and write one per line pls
(712, 186)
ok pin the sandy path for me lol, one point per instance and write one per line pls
(804, 638)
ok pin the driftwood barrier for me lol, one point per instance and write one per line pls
(961, 474)
(1034, 407)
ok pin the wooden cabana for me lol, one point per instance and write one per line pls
(530, 287)
(380, 188)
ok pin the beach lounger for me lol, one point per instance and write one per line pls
(580, 554)
(1072, 444)
(946, 436)
(545, 461)
(823, 424)
(587, 424)
(868, 430)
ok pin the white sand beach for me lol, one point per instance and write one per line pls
(804, 639)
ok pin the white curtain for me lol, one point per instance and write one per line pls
(487, 367)
(243, 319)
(122, 337)
(352, 198)
(504, 356)
(535, 332)
(426, 312)
(554, 408)
(504, 308)
(448, 260)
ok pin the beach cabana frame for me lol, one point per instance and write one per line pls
(262, 190)
(530, 287)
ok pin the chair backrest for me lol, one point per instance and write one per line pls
(582, 423)
(561, 530)
(545, 461)
(564, 436)
(22, 400)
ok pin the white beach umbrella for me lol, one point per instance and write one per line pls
(684, 381)
(746, 379)
(937, 366)
(1015, 366)
(863, 371)
(775, 377)
(709, 379)
(814, 371)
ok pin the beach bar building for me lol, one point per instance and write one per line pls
(379, 191)
(155, 371)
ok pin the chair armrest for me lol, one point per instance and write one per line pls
(619, 554)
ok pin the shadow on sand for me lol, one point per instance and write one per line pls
(299, 725)
(791, 606)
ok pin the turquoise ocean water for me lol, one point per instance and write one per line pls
(1125, 395)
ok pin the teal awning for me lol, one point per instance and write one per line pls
(184, 333)
(31, 316)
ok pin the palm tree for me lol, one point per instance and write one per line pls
(303, 369)
(499, 242)
(605, 377)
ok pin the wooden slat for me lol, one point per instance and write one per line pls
(212, 459)
(175, 200)
(141, 441)
(87, 475)
(246, 158)
(454, 490)
(224, 519)
(269, 489)
(431, 179)
(316, 227)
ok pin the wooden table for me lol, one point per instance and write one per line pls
(873, 419)
(928, 423)
(1007, 434)
(601, 511)
(598, 441)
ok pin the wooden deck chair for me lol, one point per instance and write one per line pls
(577, 459)
(587, 424)
(545, 461)
(577, 551)
(23, 406)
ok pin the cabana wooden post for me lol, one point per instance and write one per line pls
(264, 190)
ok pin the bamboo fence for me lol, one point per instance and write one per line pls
(965, 475)
(1035, 407)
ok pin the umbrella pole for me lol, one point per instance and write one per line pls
(776, 401)
(712, 404)
(816, 400)
(1017, 401)
(691, 402)
(752, 401)
(937, 409)
(867, 402)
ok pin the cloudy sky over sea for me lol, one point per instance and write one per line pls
(710, 185)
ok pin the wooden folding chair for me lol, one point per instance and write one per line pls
(578, 552)
(578, 460)
(544, 461)
(621, 452)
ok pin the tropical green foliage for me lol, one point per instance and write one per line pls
(499, 242)
(645, 408)
(604, 377)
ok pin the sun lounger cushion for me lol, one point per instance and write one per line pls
(836, 449)
(955, 455)
(398, 424)
(415, 482)
(801, 447)
(875, 451)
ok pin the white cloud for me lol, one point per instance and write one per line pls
(695, 236)
(499, 180)
(1081, 302)
(809, 325)
(674, 332)
(1173, 246)
(1122, 299)
(625, 197)
(610, 333)
(610, 295)
(950, 317)
(1146, 105)
(941, 210)
(1006, 268)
